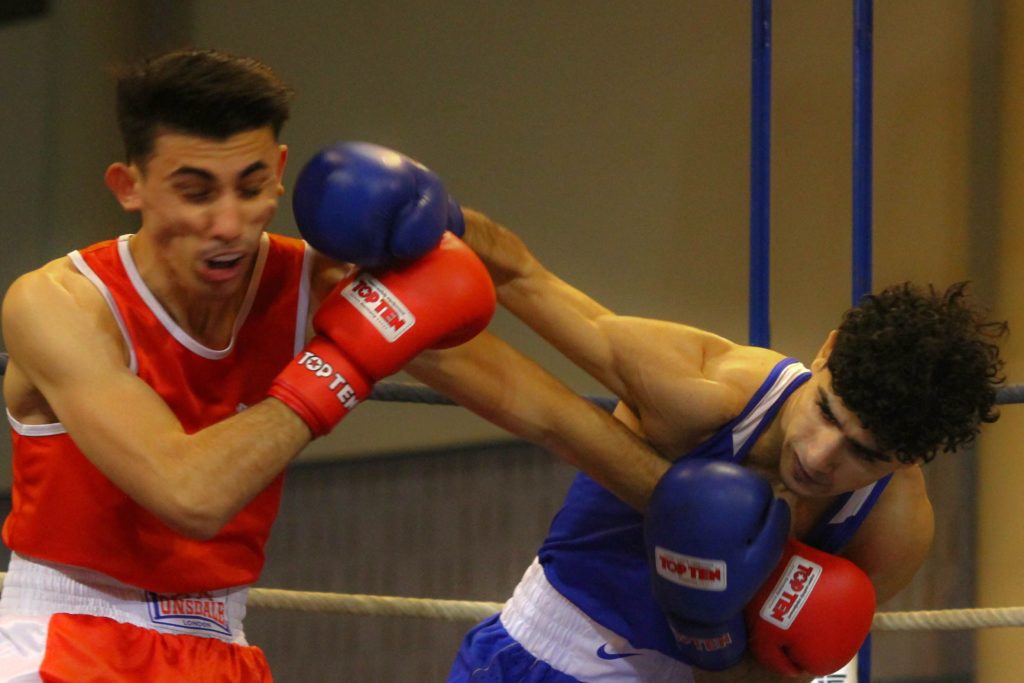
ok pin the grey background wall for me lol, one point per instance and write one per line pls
(611, 135)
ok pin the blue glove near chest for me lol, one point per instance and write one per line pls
(714, 532)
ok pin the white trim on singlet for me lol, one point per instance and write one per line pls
(53, 428)
(743, 430)
(302, 305)
(124, 253)
(49, 429)
(168, 322)
(90, 274)
(853, 504)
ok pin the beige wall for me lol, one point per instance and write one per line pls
(612, 135)
(615, 141)
(1001, 469)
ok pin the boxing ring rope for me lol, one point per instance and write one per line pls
(473, 611)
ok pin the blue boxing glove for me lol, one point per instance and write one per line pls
(714, 533)
(371, 206)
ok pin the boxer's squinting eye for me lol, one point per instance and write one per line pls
(195, 194)
(826, 411)
(252, 185)
(868, 455)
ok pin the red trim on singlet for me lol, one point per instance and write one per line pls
(65, 510)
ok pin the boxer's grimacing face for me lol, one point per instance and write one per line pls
(205, 204)
(826, 450)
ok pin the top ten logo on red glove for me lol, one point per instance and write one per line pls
(384, 310)
(790, 592)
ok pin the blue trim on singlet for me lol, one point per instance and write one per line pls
(864, 662)
(721, 444)
(832, 536)
(595, 555)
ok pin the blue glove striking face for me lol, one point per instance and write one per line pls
(369, 205)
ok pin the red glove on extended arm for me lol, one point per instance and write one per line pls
(812, 614)
(371, 325)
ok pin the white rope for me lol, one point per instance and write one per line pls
(465, 610)
(468, 610)
(448, 610)
(949, 619)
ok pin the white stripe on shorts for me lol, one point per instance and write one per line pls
(557, 632)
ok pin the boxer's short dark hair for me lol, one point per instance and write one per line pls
(206, 93)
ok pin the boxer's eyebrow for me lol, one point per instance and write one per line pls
(207, 175)
(862, 449)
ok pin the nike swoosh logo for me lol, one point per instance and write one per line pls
(604, 654)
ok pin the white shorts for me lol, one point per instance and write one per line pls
(22, 645)
(60, 623)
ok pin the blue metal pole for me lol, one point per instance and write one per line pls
(863, 20)
(760, 186)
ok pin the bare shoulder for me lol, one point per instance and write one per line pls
(55, 324)
(684, 350)
(742, 367)
(57, 287)
(693, 382)
(895, 539)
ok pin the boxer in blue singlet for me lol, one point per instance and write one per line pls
(908, 373)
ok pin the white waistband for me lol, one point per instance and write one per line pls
(37, 588)
(555, 631)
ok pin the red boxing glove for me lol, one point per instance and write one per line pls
(383, 319)
(373, 323)
(812, 614)
(321, 385)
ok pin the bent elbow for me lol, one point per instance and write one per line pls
(200, 521)
(199, 530)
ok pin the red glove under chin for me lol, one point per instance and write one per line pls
(812, 614)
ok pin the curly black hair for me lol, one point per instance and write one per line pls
(919, 368)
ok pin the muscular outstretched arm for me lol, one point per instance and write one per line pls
(490, 378)
(659, 369)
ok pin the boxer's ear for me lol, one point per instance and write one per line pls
(123, 180)
(824, 352)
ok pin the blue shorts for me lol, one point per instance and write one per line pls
(541, 637)
(490, 655)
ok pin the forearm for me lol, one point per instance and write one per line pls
(593, 441)
(566, 317)
(519, 278)
(501, 385)
(193, 481)
(505, 255)
(229, 463)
